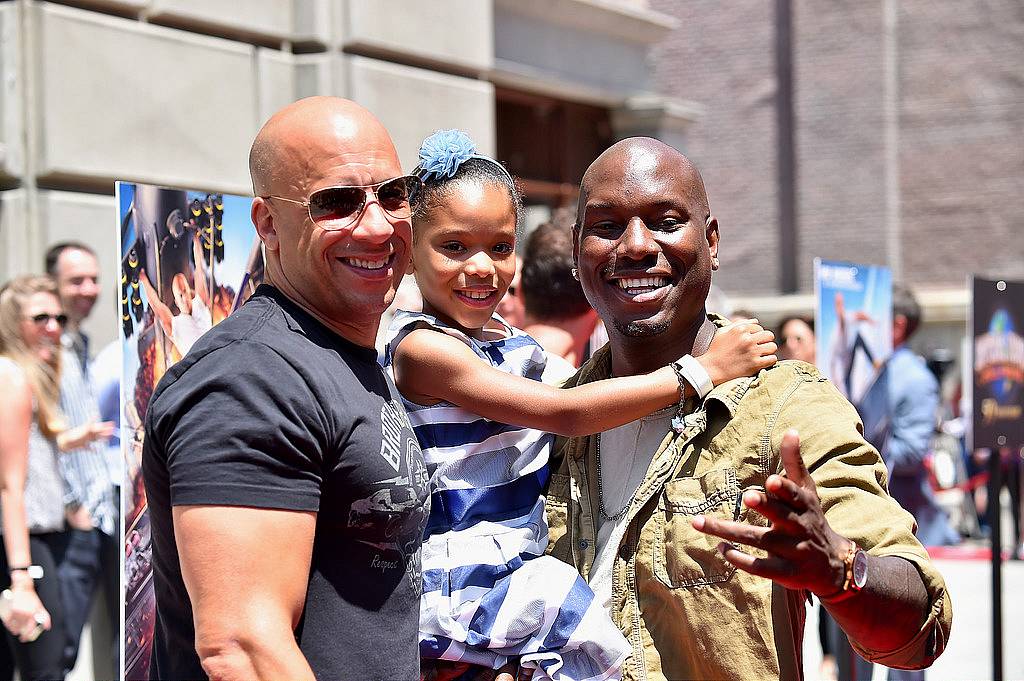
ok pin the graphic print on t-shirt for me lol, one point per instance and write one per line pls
(400, 503)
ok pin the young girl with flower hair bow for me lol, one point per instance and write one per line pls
(471, 385)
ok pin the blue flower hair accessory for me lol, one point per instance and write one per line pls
(442, 153)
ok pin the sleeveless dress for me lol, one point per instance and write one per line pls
(489, 592)
(44, 486)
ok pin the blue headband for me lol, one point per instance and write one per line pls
(444, 152)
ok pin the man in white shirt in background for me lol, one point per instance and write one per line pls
(92, 485)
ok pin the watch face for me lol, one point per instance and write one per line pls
(860, 570)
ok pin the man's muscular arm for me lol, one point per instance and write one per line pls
(246, 571)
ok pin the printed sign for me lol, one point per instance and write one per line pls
(997, 350)
(853, 320)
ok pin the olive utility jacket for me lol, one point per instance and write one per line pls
(689, 614)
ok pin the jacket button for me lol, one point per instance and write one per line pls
(624, 551)
(584, 544)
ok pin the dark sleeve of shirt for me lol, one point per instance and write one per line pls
(241, 427)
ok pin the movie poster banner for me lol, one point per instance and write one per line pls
(188, 260)
(853, 324)
(996, 328)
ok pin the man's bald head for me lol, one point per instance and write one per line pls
(311, 145)
(304, 132)
(645, 247)
(635, 158)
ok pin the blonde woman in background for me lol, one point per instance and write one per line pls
(32, 493)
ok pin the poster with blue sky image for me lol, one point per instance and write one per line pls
(853, 323)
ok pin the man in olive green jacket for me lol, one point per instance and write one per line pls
(705, 531)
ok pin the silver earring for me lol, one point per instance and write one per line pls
(575, 274)
(714, 262)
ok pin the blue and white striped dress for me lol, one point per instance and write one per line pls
(489, 592)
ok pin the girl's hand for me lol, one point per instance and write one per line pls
(27, 617)
(742, 349)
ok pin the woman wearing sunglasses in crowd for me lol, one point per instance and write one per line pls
(31, 487)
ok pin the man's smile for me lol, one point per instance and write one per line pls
(366, 264)
(370, 264)
(640, 287)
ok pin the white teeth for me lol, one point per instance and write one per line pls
(642, 282)
(367, 264)
(476, 295)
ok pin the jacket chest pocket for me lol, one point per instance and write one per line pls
(685, 557)
(556, 511)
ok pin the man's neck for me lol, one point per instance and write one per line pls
(73, 334)
(364, 336)
(633, 355)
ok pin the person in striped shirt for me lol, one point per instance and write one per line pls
(471, 385)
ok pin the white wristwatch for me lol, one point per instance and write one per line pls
(695, 374)
(34, 571)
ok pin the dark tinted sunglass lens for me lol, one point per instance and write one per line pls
(44, 318)
(335, 203)
(393, 196)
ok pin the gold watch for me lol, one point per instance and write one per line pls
(856, 575)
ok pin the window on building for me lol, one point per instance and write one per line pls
(548, 143)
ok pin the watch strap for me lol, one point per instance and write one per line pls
(34, 571)
(695, 374)
(849, 587)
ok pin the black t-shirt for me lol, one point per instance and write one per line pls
(271, 409)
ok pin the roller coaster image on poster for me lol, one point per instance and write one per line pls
(188, 260)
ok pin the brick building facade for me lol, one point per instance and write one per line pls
(907, 121)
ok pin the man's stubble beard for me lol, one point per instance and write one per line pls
(641, 329)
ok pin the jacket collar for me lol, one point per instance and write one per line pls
(728, 394)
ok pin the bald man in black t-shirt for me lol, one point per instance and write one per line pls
(287, 493)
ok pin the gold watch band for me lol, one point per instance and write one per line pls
(845, 591)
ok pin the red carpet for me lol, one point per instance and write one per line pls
(964, 552)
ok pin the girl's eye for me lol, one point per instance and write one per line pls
(504, 248)
(453, 247)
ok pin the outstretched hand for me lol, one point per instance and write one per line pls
(803, 550)
(741, 349)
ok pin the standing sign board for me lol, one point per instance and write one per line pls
(997, 330)
(188, 260)
(997, 405)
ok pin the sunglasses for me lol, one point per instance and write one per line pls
(338, 207)
(45, 317)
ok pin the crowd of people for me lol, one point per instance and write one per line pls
(59, 470)
(562, 464)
